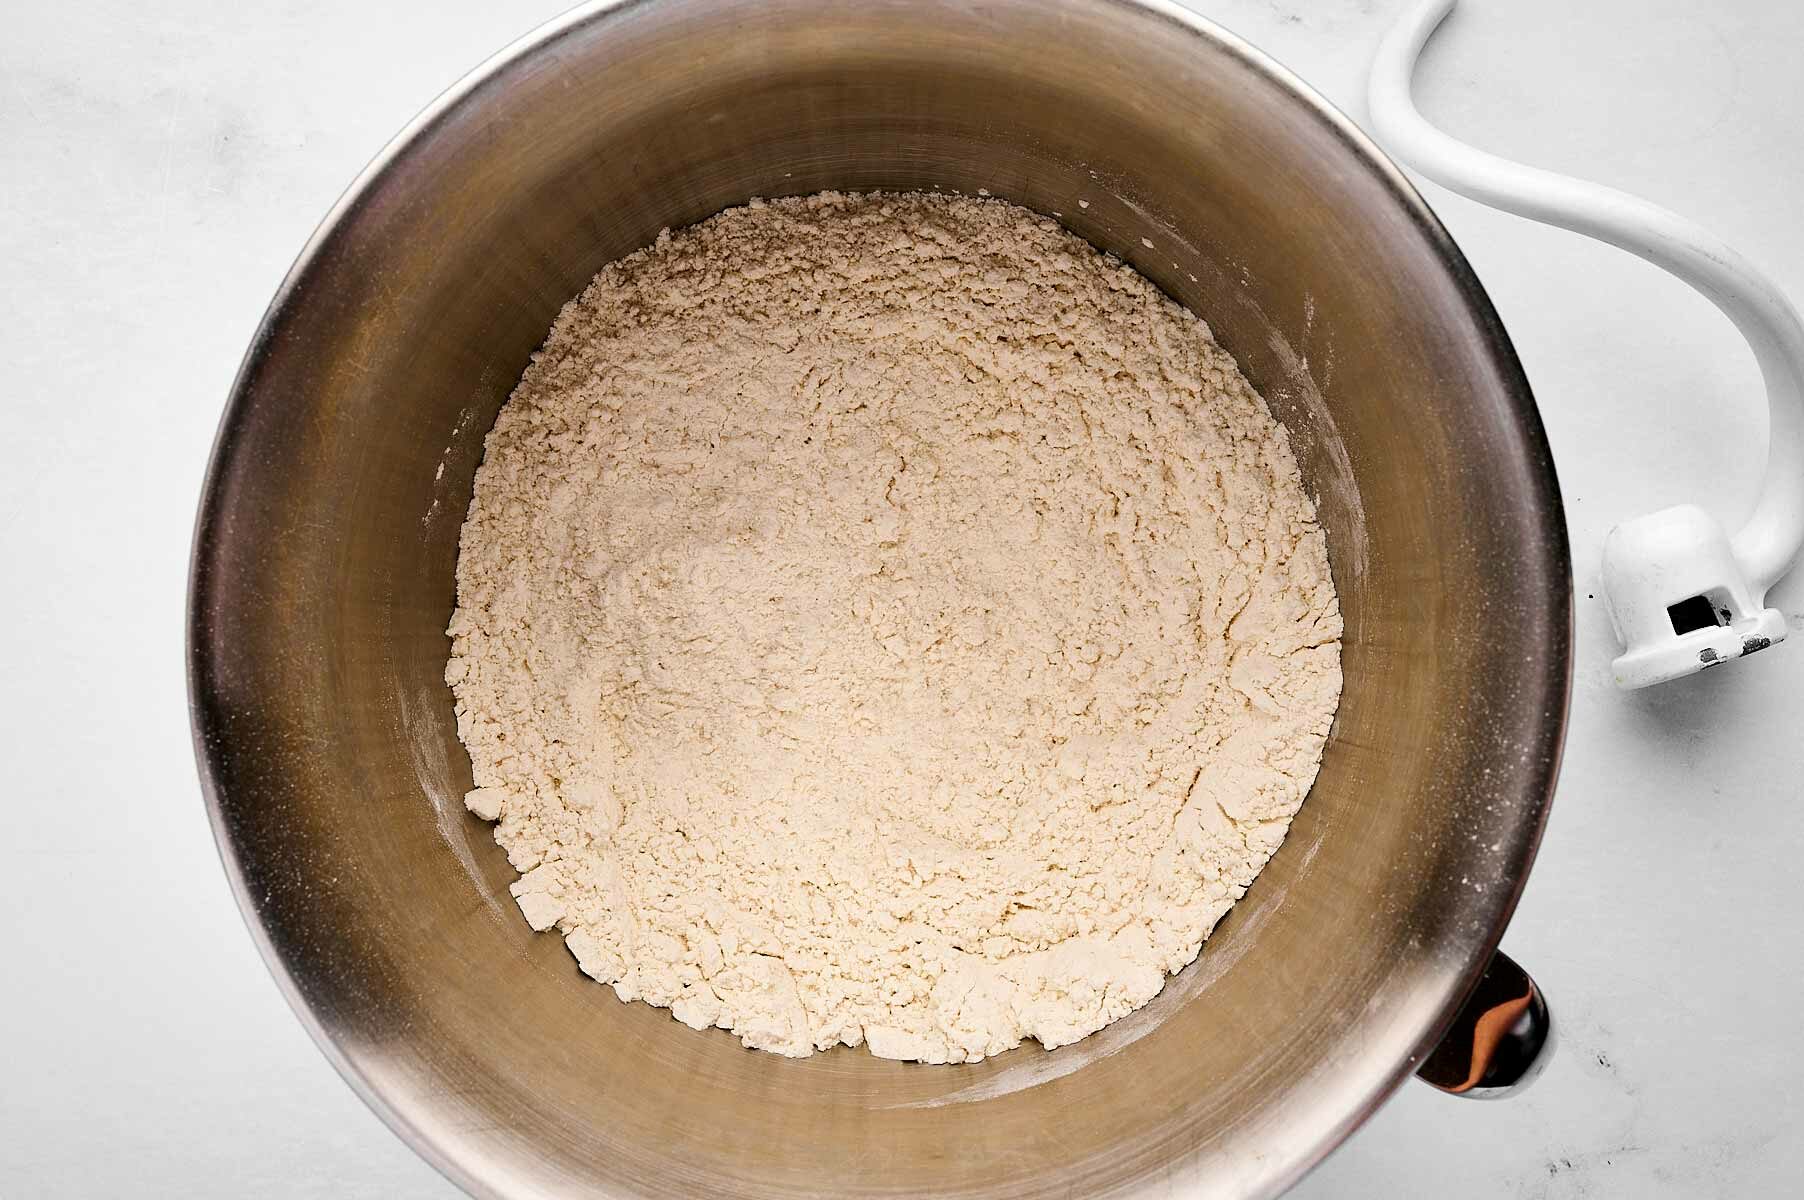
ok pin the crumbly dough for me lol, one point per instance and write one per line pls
(886, 619)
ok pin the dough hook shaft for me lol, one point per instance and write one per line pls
(1683, 595)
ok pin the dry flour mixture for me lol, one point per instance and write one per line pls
(884, 619)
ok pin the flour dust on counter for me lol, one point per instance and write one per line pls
(884, 619)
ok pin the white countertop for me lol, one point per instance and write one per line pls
(161, 163)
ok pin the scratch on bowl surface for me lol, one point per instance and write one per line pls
(432, 767)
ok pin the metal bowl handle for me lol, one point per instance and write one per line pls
(1500, 1041)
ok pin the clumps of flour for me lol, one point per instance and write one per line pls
(884, 619)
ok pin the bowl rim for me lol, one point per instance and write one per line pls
(1541, 498)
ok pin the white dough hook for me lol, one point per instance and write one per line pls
(1683, 595)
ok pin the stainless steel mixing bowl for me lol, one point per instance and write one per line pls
(322, 581)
